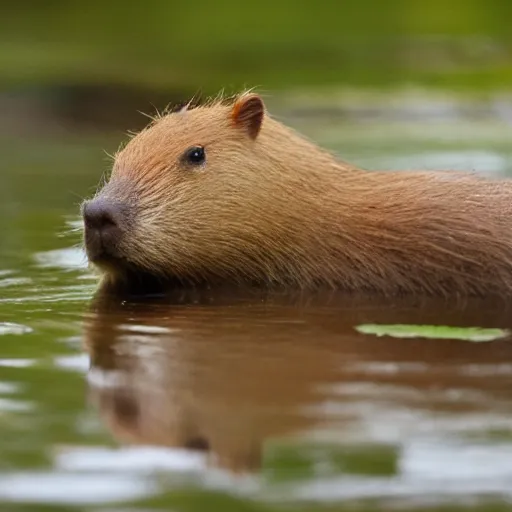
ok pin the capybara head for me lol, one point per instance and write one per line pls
(198, 195)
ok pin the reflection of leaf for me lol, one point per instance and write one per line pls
(433, 331)
(493, 434)
(369, 460)
(290, 463)
(295, 462)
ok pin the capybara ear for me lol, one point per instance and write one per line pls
(248, 111)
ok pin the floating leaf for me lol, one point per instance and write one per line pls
(434, 331)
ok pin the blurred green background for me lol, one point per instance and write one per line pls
(90, 60)
(180, 44)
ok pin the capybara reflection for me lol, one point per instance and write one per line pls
(233, 378)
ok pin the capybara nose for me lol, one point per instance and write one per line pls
(103, 227)
(100, 214)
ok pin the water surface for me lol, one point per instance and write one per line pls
(239, 401)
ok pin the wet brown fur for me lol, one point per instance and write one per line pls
(271, 207)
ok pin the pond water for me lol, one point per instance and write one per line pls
(240, 402)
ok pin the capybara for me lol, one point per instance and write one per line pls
(222, 193)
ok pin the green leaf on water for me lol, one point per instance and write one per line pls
(474, 334)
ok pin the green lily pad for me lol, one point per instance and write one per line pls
(474, 334)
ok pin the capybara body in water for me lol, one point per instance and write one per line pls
(224, 194)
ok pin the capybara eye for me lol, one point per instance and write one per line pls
(195, 155)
